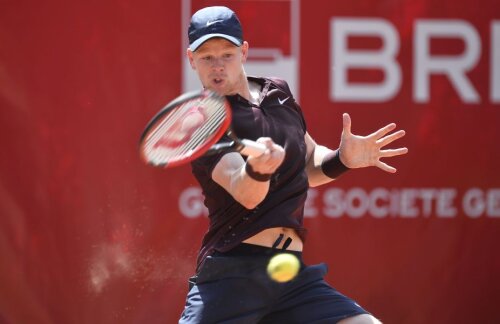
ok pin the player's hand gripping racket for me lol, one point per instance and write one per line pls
(188, 127)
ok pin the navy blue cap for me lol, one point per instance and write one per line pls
(213, 22)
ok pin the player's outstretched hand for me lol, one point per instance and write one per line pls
(270, 160)
(363, 151)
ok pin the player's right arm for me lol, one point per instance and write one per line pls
(232, 173)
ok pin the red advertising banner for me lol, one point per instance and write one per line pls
(89, 234)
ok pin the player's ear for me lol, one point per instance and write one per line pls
(189, 54)
(244, 52)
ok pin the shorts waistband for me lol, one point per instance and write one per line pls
(246, 249)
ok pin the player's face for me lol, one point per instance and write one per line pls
(219, 64)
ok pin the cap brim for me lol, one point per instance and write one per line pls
(197, 43)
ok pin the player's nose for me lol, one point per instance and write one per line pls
(218, 63)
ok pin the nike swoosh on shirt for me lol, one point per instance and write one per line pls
(283, 101)
(213, 22)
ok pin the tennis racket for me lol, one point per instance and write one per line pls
(190, 126)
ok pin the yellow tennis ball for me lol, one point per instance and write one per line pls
(283, 267)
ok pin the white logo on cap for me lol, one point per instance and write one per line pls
(213, 22)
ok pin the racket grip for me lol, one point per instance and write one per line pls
(251, 148)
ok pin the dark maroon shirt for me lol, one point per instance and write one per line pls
(279, 117)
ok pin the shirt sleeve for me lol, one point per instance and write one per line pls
(203, 166)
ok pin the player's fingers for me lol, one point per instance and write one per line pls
(277, 154)
(385, 167)
(383, 131)
(346, 124)
(267, 141)
(391, 138)
(278, 149)
(270, 145)
(273, 159)
(393, 152)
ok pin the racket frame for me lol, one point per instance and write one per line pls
(179, 101)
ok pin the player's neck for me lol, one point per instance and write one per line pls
(250, 90)
(254, 90)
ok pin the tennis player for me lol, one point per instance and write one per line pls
(256, 204)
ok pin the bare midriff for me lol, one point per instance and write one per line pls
(269, 236)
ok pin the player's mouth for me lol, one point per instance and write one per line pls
(217, 81)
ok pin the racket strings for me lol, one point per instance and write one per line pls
(204, 132)
(163, 127)
(216, 116)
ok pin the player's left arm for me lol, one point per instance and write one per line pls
(324, 165)
(314, 157)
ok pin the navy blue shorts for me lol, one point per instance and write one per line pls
(234, 287)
